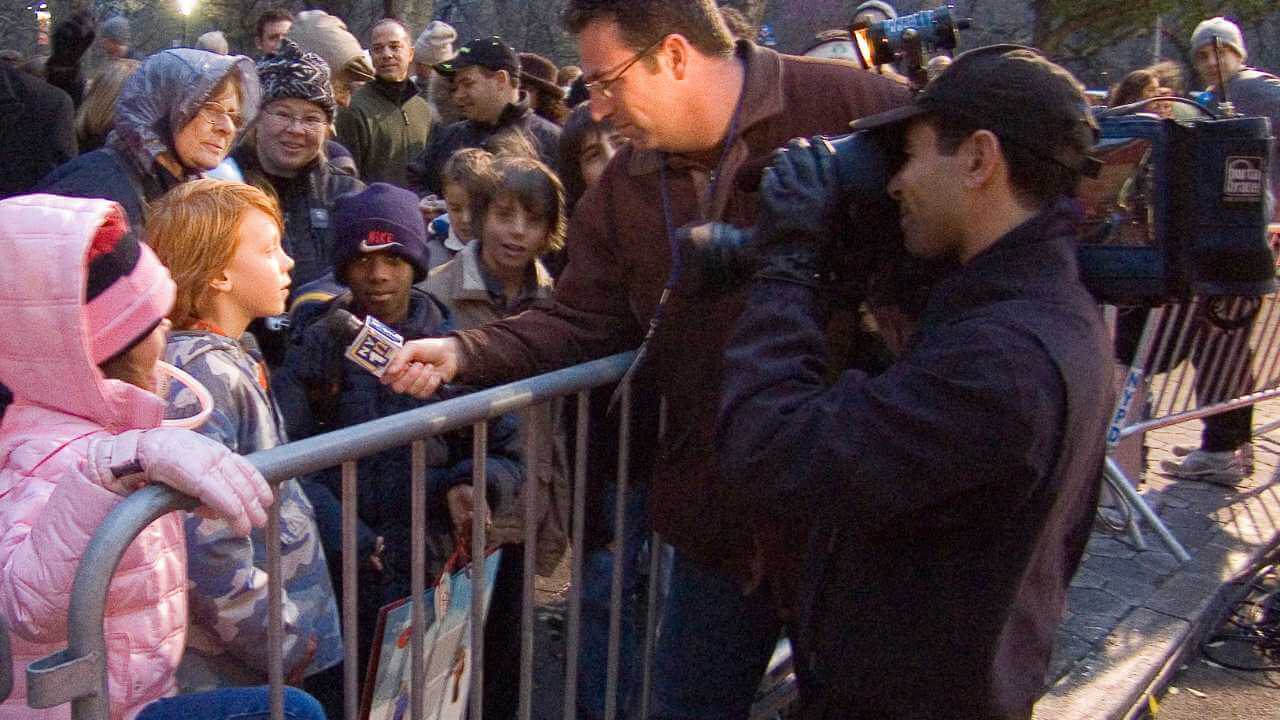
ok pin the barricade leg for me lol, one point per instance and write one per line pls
(1121, 483)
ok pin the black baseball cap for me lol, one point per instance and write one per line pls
(1016, 93)
(490, 53)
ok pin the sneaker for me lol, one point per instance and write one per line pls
(1243, 454)
(1221, 468)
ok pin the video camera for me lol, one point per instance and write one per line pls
(907, 39)
(1178, 207)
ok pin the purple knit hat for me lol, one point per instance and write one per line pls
(382, 217)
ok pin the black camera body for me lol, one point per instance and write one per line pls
(1178, 208)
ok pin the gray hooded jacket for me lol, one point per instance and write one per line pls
(165, 93)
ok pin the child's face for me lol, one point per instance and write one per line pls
(138, 366)
(258, 274)
(458, 204)
(380, 283)
(513, 237)
(597, 151)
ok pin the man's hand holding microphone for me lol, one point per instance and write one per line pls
(420, 367)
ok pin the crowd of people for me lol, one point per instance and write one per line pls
(184, 248)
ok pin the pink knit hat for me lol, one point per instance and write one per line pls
(128, 291)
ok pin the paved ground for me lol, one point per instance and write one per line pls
(1206, 690)
(1132, 613)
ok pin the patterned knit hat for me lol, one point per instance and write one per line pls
(380, 218)
(128, 291)
(291, 73)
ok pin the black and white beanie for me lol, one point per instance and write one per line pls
(291, 73)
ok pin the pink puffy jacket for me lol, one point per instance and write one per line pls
(49, 508)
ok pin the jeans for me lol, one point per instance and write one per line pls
(242, 703)
(597, 583)
(714, 645)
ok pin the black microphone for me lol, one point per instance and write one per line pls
(370, 344)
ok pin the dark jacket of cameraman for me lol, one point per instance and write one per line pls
(619, 262)
(953, 494)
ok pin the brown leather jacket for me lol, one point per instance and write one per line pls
(619, 261)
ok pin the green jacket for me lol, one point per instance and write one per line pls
(385, 127)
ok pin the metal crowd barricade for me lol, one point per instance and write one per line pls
(78, 674)
(1192, 360)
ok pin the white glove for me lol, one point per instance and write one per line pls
(223, 481)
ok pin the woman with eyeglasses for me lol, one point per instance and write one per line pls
(283, 153)
(177, 117)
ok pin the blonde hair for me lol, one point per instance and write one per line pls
(192, 228)
(97, 115)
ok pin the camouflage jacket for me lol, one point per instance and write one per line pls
(227, 643)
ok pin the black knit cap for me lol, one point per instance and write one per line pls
(490, 53)
(291, 73)
(1016, 93)
(380, 218)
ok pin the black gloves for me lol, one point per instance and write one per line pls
(716, 258)
(799, 202)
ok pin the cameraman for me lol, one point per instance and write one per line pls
(953, 494)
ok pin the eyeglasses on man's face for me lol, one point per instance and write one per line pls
(604, 86)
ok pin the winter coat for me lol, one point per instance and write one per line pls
(162, 97)
(49, 508)
(960, 483)
(619, 263)
(386, 126)
(543, 135)
(37, 131)
(228, 644)
(305, 201)
(320, 390)
(464, 287)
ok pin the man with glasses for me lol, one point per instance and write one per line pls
(387, 123)
(285, 152)
(485, 81)
(703, 115)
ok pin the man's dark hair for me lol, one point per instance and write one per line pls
(270, 16)
(645, 22)
(1036, 179)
